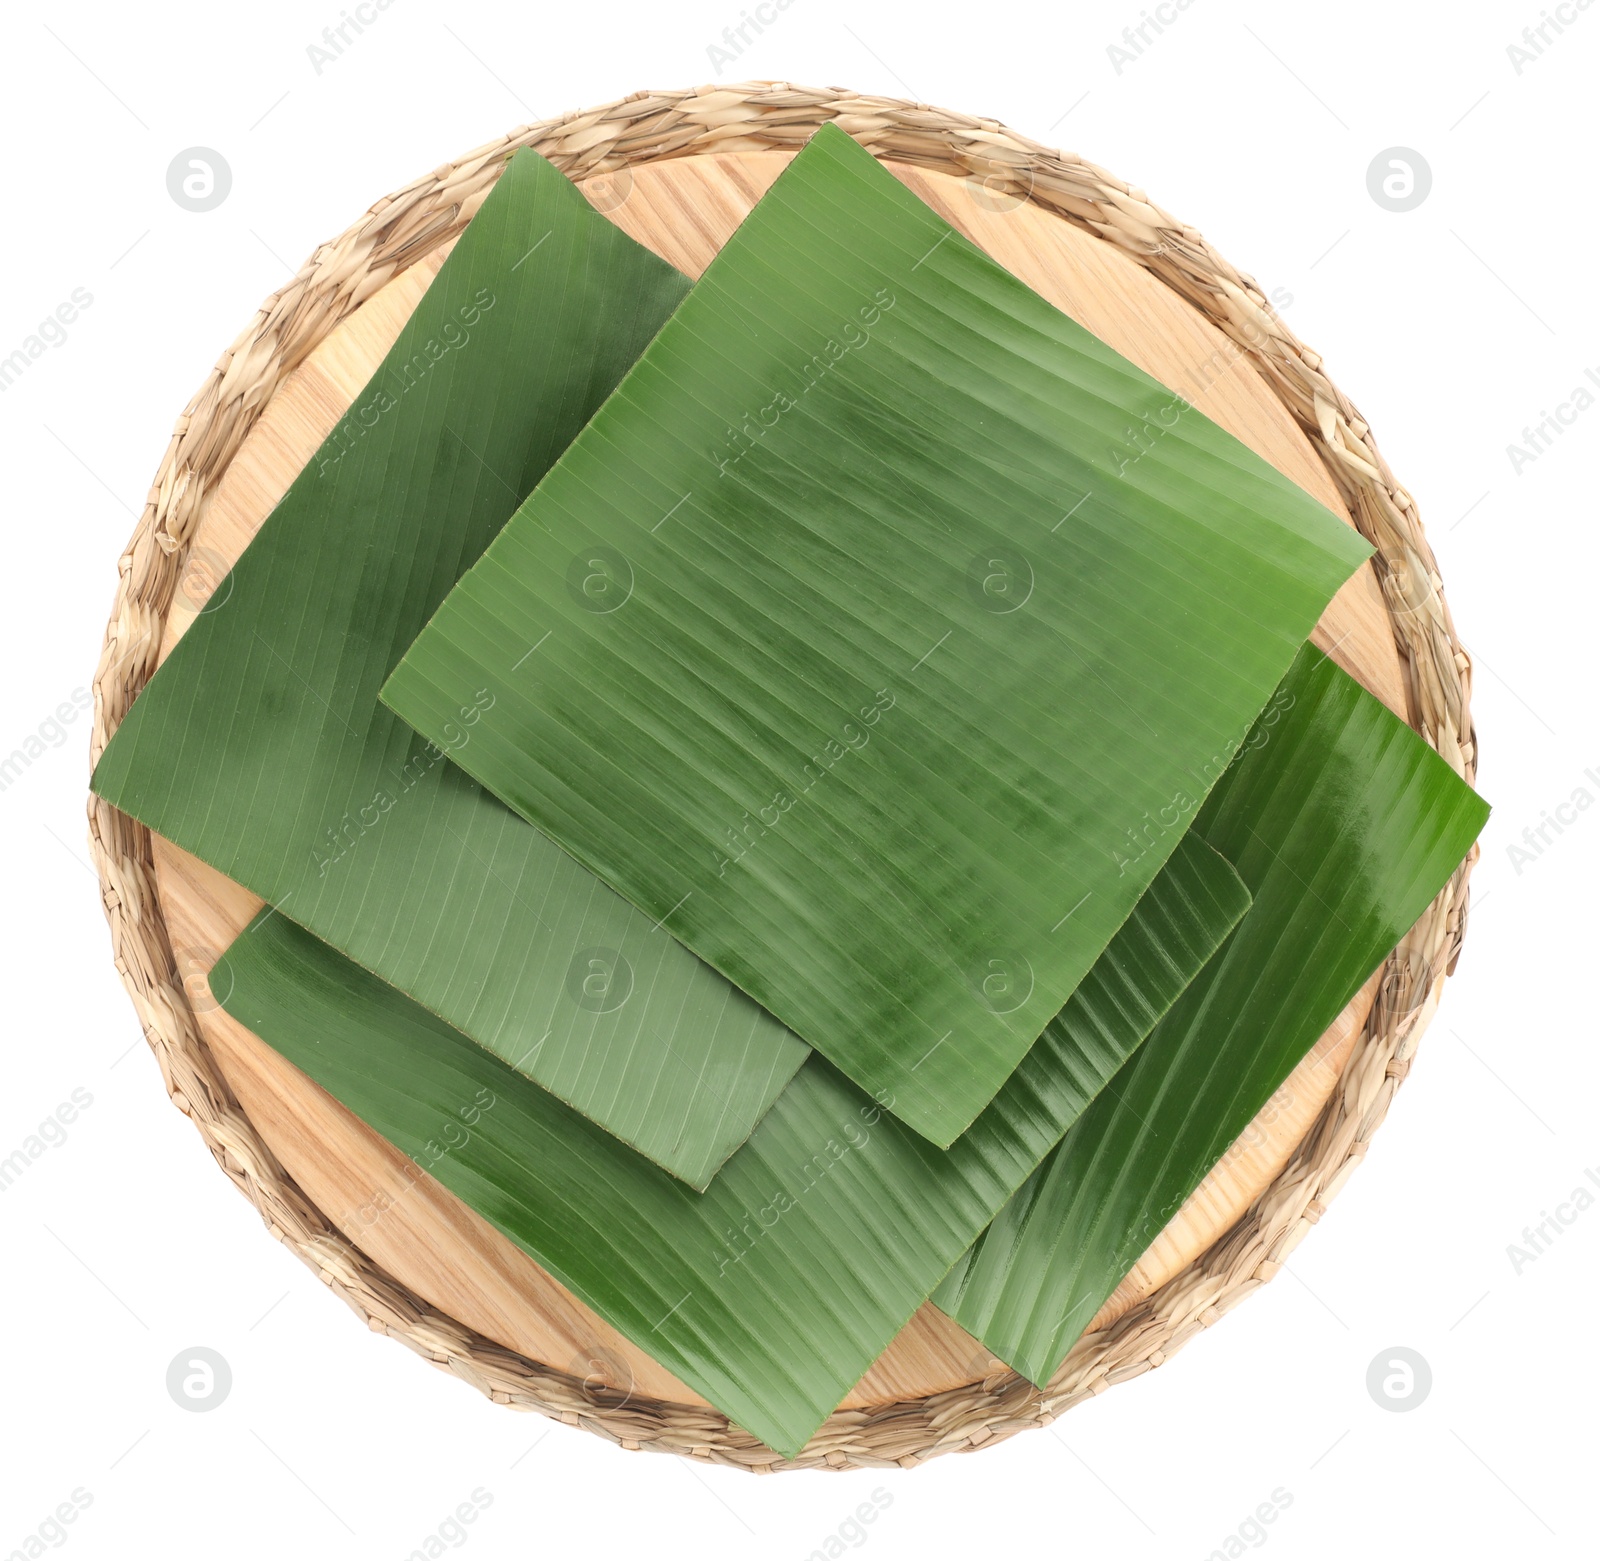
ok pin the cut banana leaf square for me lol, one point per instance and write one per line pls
(261, 747)
(864, 631)
(775, 1289)
(1345, 825)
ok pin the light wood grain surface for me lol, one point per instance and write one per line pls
(684, 210)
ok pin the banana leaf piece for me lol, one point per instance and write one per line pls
(777, 1287)
(1345, 825)
(876, 614)
(260, 745)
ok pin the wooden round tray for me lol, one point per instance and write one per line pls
(433, 1273)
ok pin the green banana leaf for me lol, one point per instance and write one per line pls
(260, 745)
(777, 1287)
(1345, 825)
(877, 614)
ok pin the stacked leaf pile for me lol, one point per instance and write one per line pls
(841, 826)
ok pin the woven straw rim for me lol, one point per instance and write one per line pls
(764, 116)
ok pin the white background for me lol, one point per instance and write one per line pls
(1453, 326)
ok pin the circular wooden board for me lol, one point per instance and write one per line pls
(684, 209)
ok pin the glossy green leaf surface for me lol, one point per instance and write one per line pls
(775, 1289)
(862, 631)
(1345, 825)
(261, 747)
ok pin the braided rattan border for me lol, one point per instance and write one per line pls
(402, 228)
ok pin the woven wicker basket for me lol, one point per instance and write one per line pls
(407, 225)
